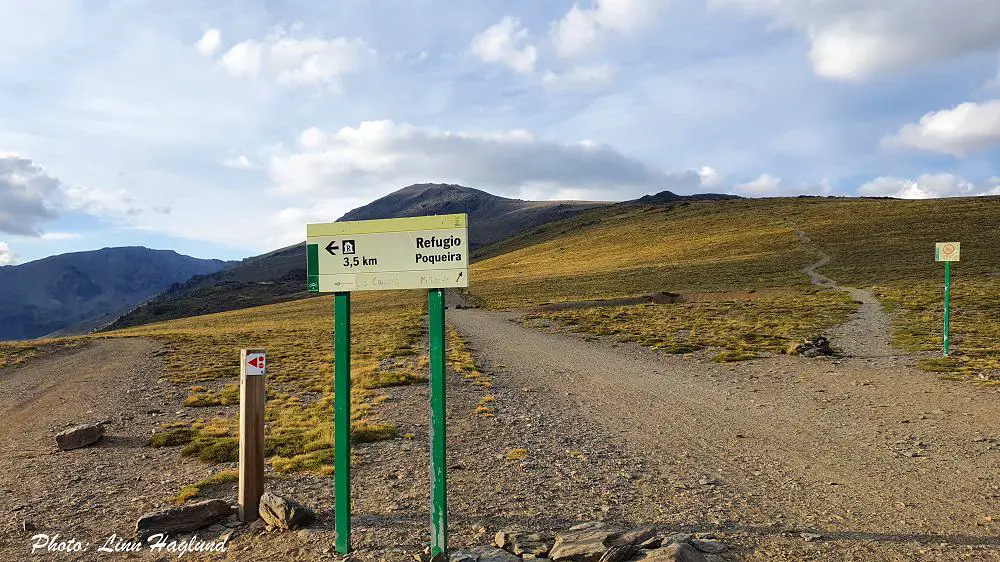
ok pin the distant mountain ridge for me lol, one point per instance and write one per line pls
(671, 197)
(51, 294)
(281, 275)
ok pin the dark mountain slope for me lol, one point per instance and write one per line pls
(491, 218)
(281, 275)
(51, 294)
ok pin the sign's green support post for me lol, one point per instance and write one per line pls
(429, 253)
(342, 420)
(947, 305)
(439, 490)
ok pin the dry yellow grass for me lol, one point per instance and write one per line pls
(729, 246)
(14, 353)
(975, 330)
(737, 330)
(605, 254)
(298, 336)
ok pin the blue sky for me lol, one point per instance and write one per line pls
(219, 128)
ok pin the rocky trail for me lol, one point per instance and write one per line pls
(868, 333)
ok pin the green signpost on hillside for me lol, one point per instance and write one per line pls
(947, 252)
(409, 253)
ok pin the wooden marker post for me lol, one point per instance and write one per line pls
(253, 363)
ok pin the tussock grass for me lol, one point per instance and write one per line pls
(460, 359)
(13, 353)
(387, 332)
(173, 437)
(625, 251)
(632, 250)
(739, 329)
(215, 481)
(733, 245)
(975, 329)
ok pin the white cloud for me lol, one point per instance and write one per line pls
(7, 257)
(59, 236)
(29, 195)
(927, 186)
(710, 178)
(765, 184)
(242, 59)
(852, 39)
(962, 129)
(580, 79)
(209, 42)
(505, 43)
(292, 61)
(583, 30)
(379, 156)
(240, 162)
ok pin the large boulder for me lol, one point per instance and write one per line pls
(80, 436)
(284, 513)
(491, 554)
(524, 542)
(677, 552)
(586, 542)
(639, 536)
(620, 553)
(183, 519)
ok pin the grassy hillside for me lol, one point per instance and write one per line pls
(749, 245)
(735, 245)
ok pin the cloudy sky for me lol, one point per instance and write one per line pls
(219, 128)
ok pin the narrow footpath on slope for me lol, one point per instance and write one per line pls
(868, 333)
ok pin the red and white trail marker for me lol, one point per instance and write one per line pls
(256, 364)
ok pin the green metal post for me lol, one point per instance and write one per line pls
(947, 305)
(439, 490)
(342, 420)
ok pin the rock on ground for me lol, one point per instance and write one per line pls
(677, 552)
(284, 513)
(586, 542)
(524, 542)
(484, 554)
(183, 519)
(80, 436)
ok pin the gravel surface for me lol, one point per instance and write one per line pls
(91, 493)
(884, 461)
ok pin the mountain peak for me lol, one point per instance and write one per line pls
(492, 218)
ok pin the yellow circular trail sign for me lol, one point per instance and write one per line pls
(947, 251)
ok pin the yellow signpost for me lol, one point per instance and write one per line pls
(947, 252)
(407, 253)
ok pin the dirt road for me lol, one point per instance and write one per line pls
(884, 461)
(91, 493)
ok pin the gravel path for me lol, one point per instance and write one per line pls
(91, 493)
(868, 333)
(886, 463)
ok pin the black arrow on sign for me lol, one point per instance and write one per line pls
(331, 247)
